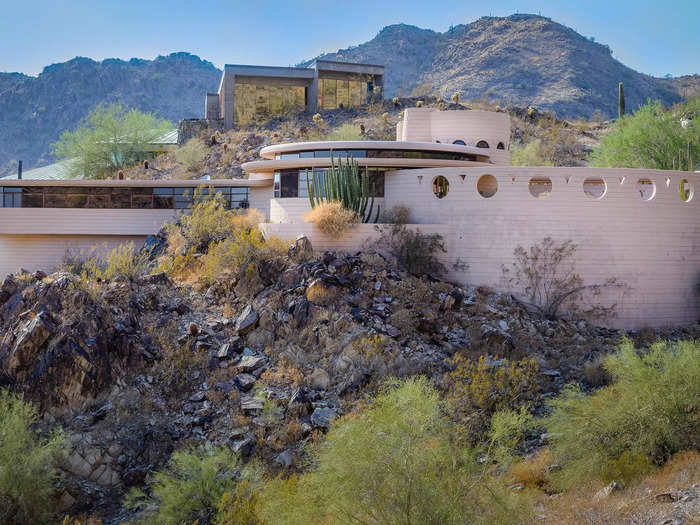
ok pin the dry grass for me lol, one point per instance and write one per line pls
(331, 218)
(648, 502)
(534, 471)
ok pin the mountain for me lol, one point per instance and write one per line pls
(35, 110)
(520, 59)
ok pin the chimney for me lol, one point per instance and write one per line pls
(19, 170)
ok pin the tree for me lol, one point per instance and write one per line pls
(393, 463)
(652, 137)
(111, 138)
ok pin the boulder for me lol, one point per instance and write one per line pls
(244, 382)
(29, 341)
(248, 363)
(246, 320)
(322, 417)
(301, 249)
(319, 379)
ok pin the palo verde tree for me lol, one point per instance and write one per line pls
(109, 139)
(653, 137)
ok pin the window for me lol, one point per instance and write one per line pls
(460, 142)
(540, 187)
(487, 186)
(594, 188)
(646, 189)
(482, 144)
(686, 190)
(440, 186)
(501, 146)
(11, 197)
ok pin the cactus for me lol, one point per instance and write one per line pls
(345, 183)
(620, 100)
(318, 119)
(419, 104)
(395, 101)
(455, 97)
(385, 118)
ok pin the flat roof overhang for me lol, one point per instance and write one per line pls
(139, 183)
(268, 166)
(269, 152)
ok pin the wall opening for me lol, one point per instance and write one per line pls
(646, 189)
(685, 190)
(540, 187)
(487, 186)
(440, 186)
(595, 188)
(501, 146)
(482, 144)
(460, 142)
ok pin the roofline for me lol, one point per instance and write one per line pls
(268, 152)
(343, 62)
(136, 183)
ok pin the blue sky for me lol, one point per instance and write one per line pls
(653, 37)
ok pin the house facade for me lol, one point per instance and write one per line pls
(452, 170)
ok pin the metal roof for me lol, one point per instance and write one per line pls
(56, 171)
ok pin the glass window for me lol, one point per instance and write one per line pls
(289, 184)
(276, 188)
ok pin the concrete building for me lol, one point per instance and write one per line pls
(245, 90)
(451, 169)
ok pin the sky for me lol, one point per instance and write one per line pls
(651, 36)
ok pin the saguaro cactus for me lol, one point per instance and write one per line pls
(620, 100)
(346, 183)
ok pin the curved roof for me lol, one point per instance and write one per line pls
(262, 166)
(269, 152)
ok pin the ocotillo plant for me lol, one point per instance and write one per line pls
(346, 183)
(620, 100)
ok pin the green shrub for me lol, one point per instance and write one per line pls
(191, 486)
(393, 463)
(27, 464)
(479, 389)
(240, 507)
(347, 131)
(191, 154)
(649, 412)
(332, 218)
(652, 137)
(123, 262)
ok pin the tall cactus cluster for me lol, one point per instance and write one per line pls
(346, 183)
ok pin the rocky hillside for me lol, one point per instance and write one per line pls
(520, 59)
(35, 110)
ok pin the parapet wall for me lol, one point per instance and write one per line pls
(652, 246)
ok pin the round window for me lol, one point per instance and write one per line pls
(595, 188)
(646, 189)
(540, 187)
(487, 186)
(440, 186)
(482, 144)
(686, 190)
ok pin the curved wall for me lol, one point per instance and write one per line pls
(470, 126)
(652, 246)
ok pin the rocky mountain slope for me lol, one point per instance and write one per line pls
(35, 110)
(520, 59)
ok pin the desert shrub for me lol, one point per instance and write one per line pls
(416, 252)
(533, 471)
(191, 154)
(124, 262)
(543, 278)
(652, 137)
(191, 486)
(397, 214)
(529, 154)
(479, 389)
(392, 463)
(347, 131)
(649, 412)
(27, 464)
(240, 506)
(332, 218)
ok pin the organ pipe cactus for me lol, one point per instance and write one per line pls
(346, 183)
